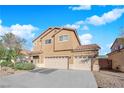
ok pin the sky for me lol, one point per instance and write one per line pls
(94, 24)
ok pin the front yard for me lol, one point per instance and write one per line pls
(109, 79)
(7, 68)
(8, 71)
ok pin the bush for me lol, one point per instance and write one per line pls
(7, 64)
(24, 66)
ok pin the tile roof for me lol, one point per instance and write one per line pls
(35, 52)
(28, 52)
(25, 52)
(87, 47)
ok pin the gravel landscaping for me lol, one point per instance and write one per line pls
(109, 79)
(8, 71)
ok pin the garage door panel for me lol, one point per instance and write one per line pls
(56, 62)
(82, 63)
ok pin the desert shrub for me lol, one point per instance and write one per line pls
(24, 66)
(6, 64)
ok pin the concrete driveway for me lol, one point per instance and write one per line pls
(49, 78)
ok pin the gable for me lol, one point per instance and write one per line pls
(44, 33)
(70, 44)
(57, 30)
(118, 40)
(69, 29)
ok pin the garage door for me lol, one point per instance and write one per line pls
(82, 63)
(58, 62)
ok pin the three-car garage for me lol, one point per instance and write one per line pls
(62, 62)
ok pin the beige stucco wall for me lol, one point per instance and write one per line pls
(65, 45)
(95, 65)
(85, 53)
(117, 60)
(59, 48)
(56, 45)
(116, 44)
(37, 45)
(48, 49)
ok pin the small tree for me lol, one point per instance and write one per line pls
(2, 51)
(13, 45)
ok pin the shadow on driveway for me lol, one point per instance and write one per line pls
(43, 70)
(50, 78)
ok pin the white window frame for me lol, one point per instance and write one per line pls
(65, 39)
(121, 46)
(48, 43)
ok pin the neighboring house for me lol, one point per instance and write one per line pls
(117, 54)
(60, 48)
(24, 56)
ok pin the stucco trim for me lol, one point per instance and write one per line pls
(43, 33)
(69, 29)
(116, 51)
(117, 39)
(60, 29)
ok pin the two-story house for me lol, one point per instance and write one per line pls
(117, 54)
(61, 48)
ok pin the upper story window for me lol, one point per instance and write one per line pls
(63, 38)
(48, 41)
(116, 48)
(121, 46)
(34, 44)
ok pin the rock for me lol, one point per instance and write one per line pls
(108, 80)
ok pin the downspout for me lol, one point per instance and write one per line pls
(54, 43)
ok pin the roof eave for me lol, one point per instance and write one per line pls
(41, 34)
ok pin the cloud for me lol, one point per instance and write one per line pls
(85, 28)
(81, 7)
(106, 17)
(3, 30)
(97, 20)
(23, 31)
(85, 38)
(76, 25)
(80, 22)
(79, 25)
(109, 45)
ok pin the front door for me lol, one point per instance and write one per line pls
(35, 59)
